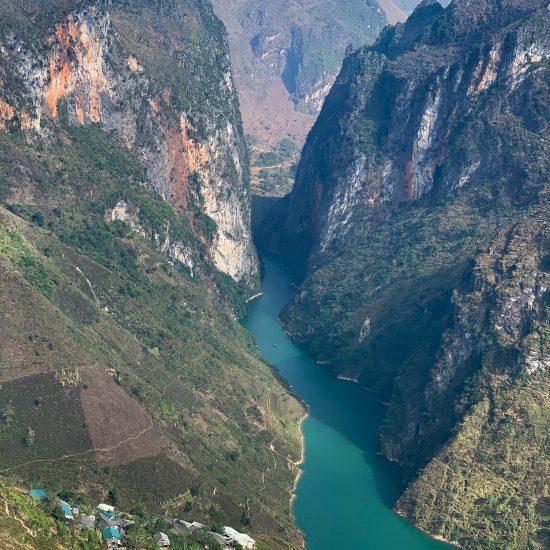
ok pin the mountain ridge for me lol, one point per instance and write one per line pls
(431, 145)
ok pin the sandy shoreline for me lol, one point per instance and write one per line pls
(300, 462)
(248, 300)
(439, 538)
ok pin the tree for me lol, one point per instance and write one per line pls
(216, 528)
(29, 437)
(245, 519)
(7, 414)
(112, 496)
(137, 537)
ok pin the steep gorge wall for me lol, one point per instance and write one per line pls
(494, 468)
(431, 148)
(393, 119)
(123, 185)
(163, 88)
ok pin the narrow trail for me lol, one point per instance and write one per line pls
(89, 285)
(28, 530)
(83, 453)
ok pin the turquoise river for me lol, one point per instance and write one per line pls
(344, 497)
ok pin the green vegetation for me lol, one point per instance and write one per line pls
(25, 523)
(406, 211)
(168, 408)
(33, 268)
(198, 353)
(493, 466)
(274, 170)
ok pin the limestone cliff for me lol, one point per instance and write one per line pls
(430, 151)
(150, 77)
(494, 468)
(393, 119)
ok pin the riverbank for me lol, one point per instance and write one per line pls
(344, 492)
(300, 463)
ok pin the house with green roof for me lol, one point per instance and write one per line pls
(38, 494)
(111, 535)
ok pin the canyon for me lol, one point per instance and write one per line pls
(416, 235)
(417, 227)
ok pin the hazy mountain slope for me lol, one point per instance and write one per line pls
(302, 42)
(286, 55)
(431, 145)
(124, 239)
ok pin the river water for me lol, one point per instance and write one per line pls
(345, 495)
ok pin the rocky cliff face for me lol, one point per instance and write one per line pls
(393, 117)
(431, 146)
(494, 467)
(176, 108)
(124, 237)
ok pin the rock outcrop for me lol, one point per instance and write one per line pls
(415, 209)
(177, 111)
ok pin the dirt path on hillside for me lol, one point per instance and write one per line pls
(27, 529)
(81, 454)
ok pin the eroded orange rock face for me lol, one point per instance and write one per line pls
(7, 113)
(185, 157)
(179, 173)
(76, 66)
(196, 155)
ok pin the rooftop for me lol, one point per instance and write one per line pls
(110, 533)
(66, 509)
(37, 494)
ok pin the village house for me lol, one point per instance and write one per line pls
(105, 519)
(66, 509)
(111, 535)
(86, 522)
(241, 538)
(106, 508)
(162, 540)
(38, 494)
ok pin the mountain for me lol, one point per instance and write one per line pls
(125, 256)
(133, 80)
(421, 205)
(286, 55)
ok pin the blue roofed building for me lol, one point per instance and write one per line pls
(111, 535)
(38, 494)
(67, 512)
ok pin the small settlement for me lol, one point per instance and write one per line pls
(227, 538)
(113, 526)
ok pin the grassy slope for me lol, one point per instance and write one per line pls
(88, 292)
(488, 485)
